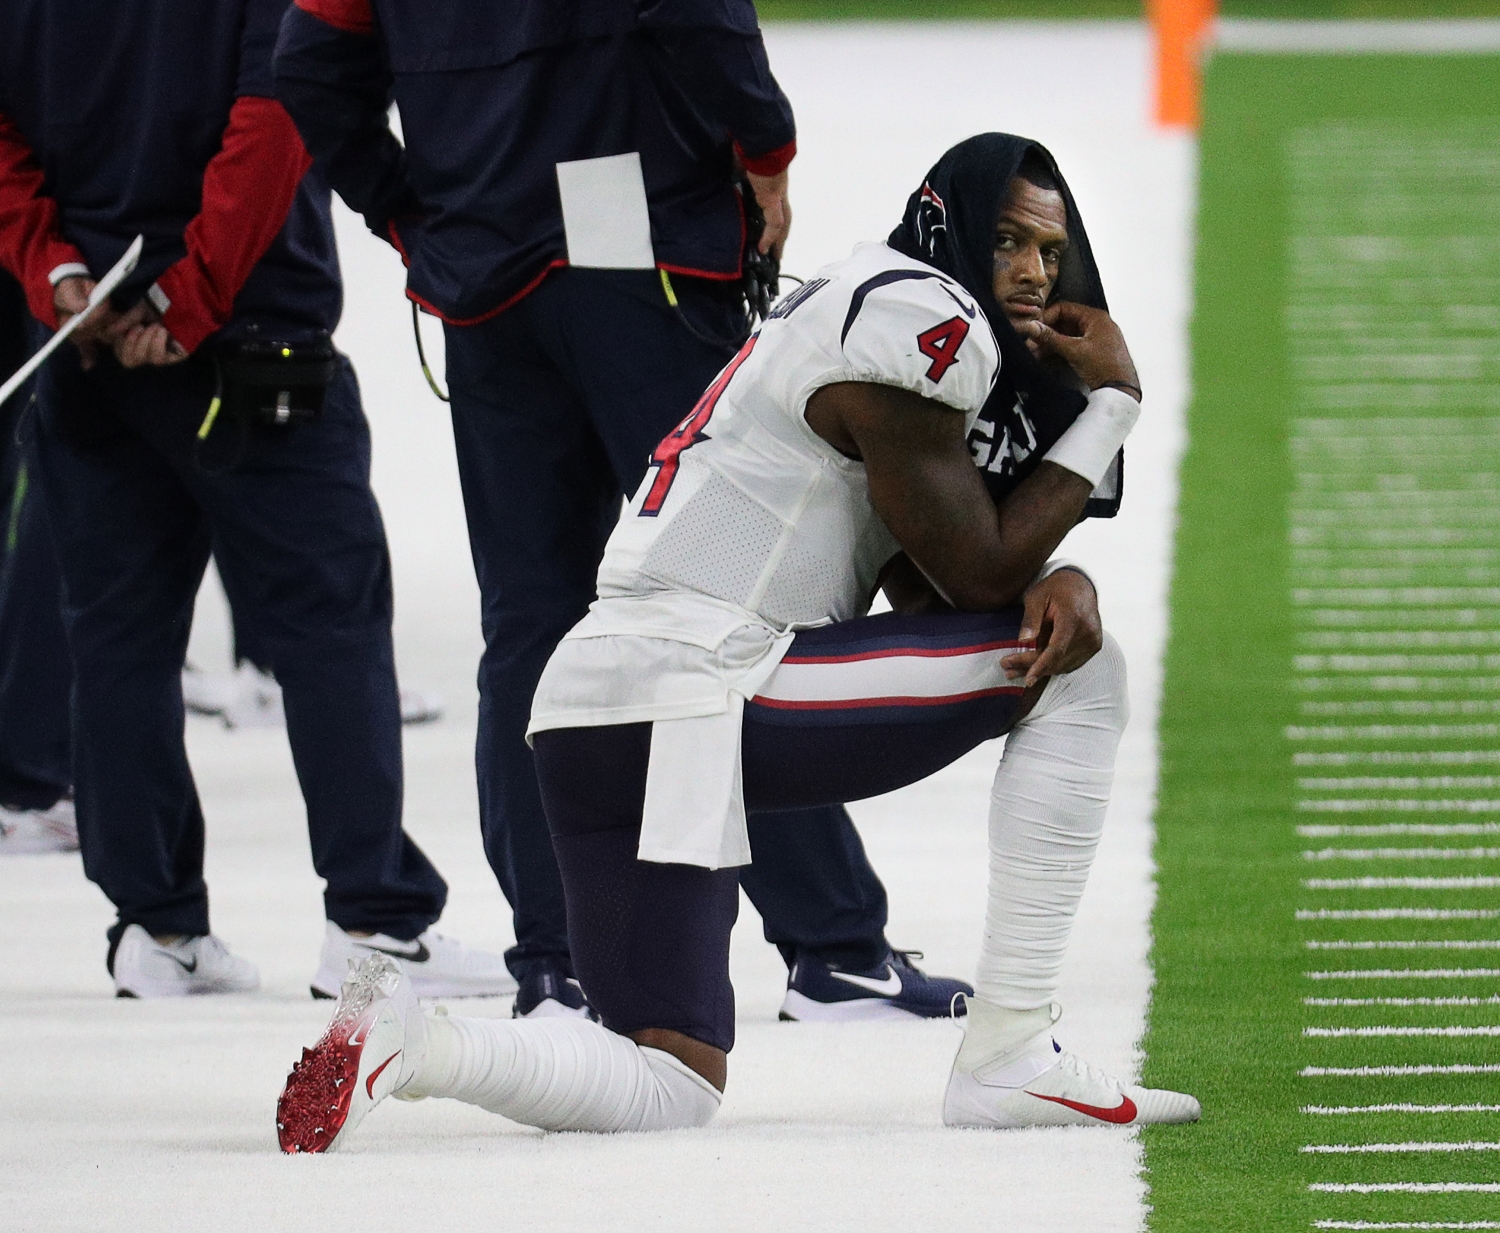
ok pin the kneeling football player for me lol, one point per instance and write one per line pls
(729, 665)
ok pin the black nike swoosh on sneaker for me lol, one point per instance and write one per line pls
(187, 967)
(420, 955)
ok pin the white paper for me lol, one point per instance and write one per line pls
(605, 218)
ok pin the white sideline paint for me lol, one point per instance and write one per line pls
(1490, 1001)
(1407, 854)
(1398, 913)
(1442, 944)
(1406, 1187)
(1399, 1108)
(1405, 974)
(1356, 37)
(1346, 1148)
(1401, 883)
(1406, 1224)
(1487, 1030)
(128, 1116)
(1389, 1072)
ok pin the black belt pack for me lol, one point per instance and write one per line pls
(275, 383)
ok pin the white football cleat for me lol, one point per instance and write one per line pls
(373, 1048)
(203, 693)
(251, 698)
(1009, 1072)
(439, 967)
(25, 832)
(145, 968)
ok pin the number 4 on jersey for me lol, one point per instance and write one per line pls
(688, 433)
(940, 345)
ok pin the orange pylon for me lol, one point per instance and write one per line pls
(1181, 26)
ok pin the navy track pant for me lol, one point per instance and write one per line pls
(854, 710)
(133, 503)
(557, 405)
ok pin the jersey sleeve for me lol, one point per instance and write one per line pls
(922, 333)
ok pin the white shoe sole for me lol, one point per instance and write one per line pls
(799, 1008)
(325, 985)
(968, 1103)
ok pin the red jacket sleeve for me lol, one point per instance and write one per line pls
(31, 246)
(248, 188)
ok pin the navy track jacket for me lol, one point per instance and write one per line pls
(493, 94)
(157, 117)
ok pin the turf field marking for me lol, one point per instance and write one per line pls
(1391, 1072)
(1406, 974)
(1406, 1187)
(1430, 830)
(1426, 944)
(1398, 913)
(1347, 1148)
(1337, 1110)
(1394, 783)
(1403, 854)
(1401, 883)
(1489, 1001)
(1385, 1030)
(1406, 1224)
(1393, 757)
(1391, 732)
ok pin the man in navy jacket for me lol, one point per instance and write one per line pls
(160, 121)
(566, 202)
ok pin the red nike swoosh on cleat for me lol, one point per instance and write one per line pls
(1121, 1114)
(375, 1074)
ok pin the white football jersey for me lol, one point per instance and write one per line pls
(744, 502)
(749, 526)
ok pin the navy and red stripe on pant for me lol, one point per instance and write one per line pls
(855, 710)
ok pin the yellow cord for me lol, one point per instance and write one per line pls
(208, 420)
(666, 285)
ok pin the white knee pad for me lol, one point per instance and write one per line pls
(1047, 810)
(562, 1074)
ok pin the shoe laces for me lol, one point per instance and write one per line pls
(905, 957)
(1076, 1066)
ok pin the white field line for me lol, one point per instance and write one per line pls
(1489, 1001)
(1428, 829)
(1391, 732)
(1406, 1187)
(1406, 1224)
(1340, 1110)
(1343, 1149)
(1439, 944)
(1476, 883)
(1398, 913)
(1394, 662)
(1402, 854)
(1482, 1030)
(1390, 597)
(1406, 974)
(1400, 757)
(1394, 1072)
(1248, 35)
(1398, 804)
(1379, 640)
(1395, 783)
(1405, 707)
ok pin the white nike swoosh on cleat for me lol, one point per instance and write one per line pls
(889, 987)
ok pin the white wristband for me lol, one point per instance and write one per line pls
(1094, 438)
(1057, 563)
(68, 269)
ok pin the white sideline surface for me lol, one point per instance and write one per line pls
(130, 1115)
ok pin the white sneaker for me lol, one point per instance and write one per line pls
(1009, 1072)
(254, 700)
(439, 967)
(372, 1049)
(420, 708)
(145, 968)
(24, 832)
(203, 693)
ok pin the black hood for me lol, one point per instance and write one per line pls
(950, 224)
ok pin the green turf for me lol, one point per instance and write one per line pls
(1227, 1014)
(1054, 10)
